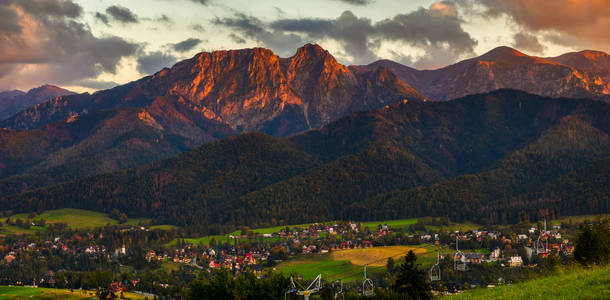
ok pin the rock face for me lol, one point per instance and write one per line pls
(255, 90)
(11, 102)
(582, 74)
(248, 90)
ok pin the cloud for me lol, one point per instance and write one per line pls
(186, 45)
(433, 30)
(203, 2)
(165, 19)
(527, 42)
(96, 84)
(584, 21)
(53, 46)
(253, 28)
(237, 39)
(356, 2)
(122, 14)
(8, 20)
(154, 61)
(52, 8)
(352, 32)
(198, 28)
(443, 8)
(102, 18)
(436, 30)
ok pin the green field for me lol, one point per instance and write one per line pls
(396, 224)
(19, 292)
(570, 283)
(348, 265)
(310, 266)
(74, 218)
(577, 219)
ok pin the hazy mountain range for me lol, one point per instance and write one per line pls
(12, 102)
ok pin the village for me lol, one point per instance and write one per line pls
(256, 252)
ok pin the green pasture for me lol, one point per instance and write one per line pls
(569, 283)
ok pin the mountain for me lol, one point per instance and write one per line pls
(587, 60)
(576, 75)
(248, 90)
(501, 156)
(210, 96)
(12, 102)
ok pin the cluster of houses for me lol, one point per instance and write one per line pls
(69, 246)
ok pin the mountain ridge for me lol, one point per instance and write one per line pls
(505, 67)
(11, 102)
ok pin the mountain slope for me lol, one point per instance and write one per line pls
(465, 158)
(494, 195)
(575, 75)
(13, 102)
(211, 96)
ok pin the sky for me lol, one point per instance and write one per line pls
(87, 45)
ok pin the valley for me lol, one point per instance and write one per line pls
(256, 164)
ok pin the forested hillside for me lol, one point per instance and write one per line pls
(504, 156)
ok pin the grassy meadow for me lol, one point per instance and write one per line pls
(20, 292)
(348, 265)
(569, 283)
(73, 218)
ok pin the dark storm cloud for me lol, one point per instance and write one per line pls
(253, 28)
(186, 45)
(55, 46)
(122, 14)
(154, 61)
(527, 42)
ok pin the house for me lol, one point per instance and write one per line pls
(495, 254)
(476, 258)
(9, 258)
(515, 261)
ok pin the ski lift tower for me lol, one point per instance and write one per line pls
(541, 247)
(461, 264)
(314, 287)
(338, 289)
(435, 271)
(368, 288)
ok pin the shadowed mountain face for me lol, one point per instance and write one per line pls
(503, 156)
(210, 96)
(12, 102)
(581, 75)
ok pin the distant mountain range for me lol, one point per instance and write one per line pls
(584, 74)
(224, 93)
(504, 156)
(12, 102)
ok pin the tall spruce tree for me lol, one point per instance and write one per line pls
(411, 281)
